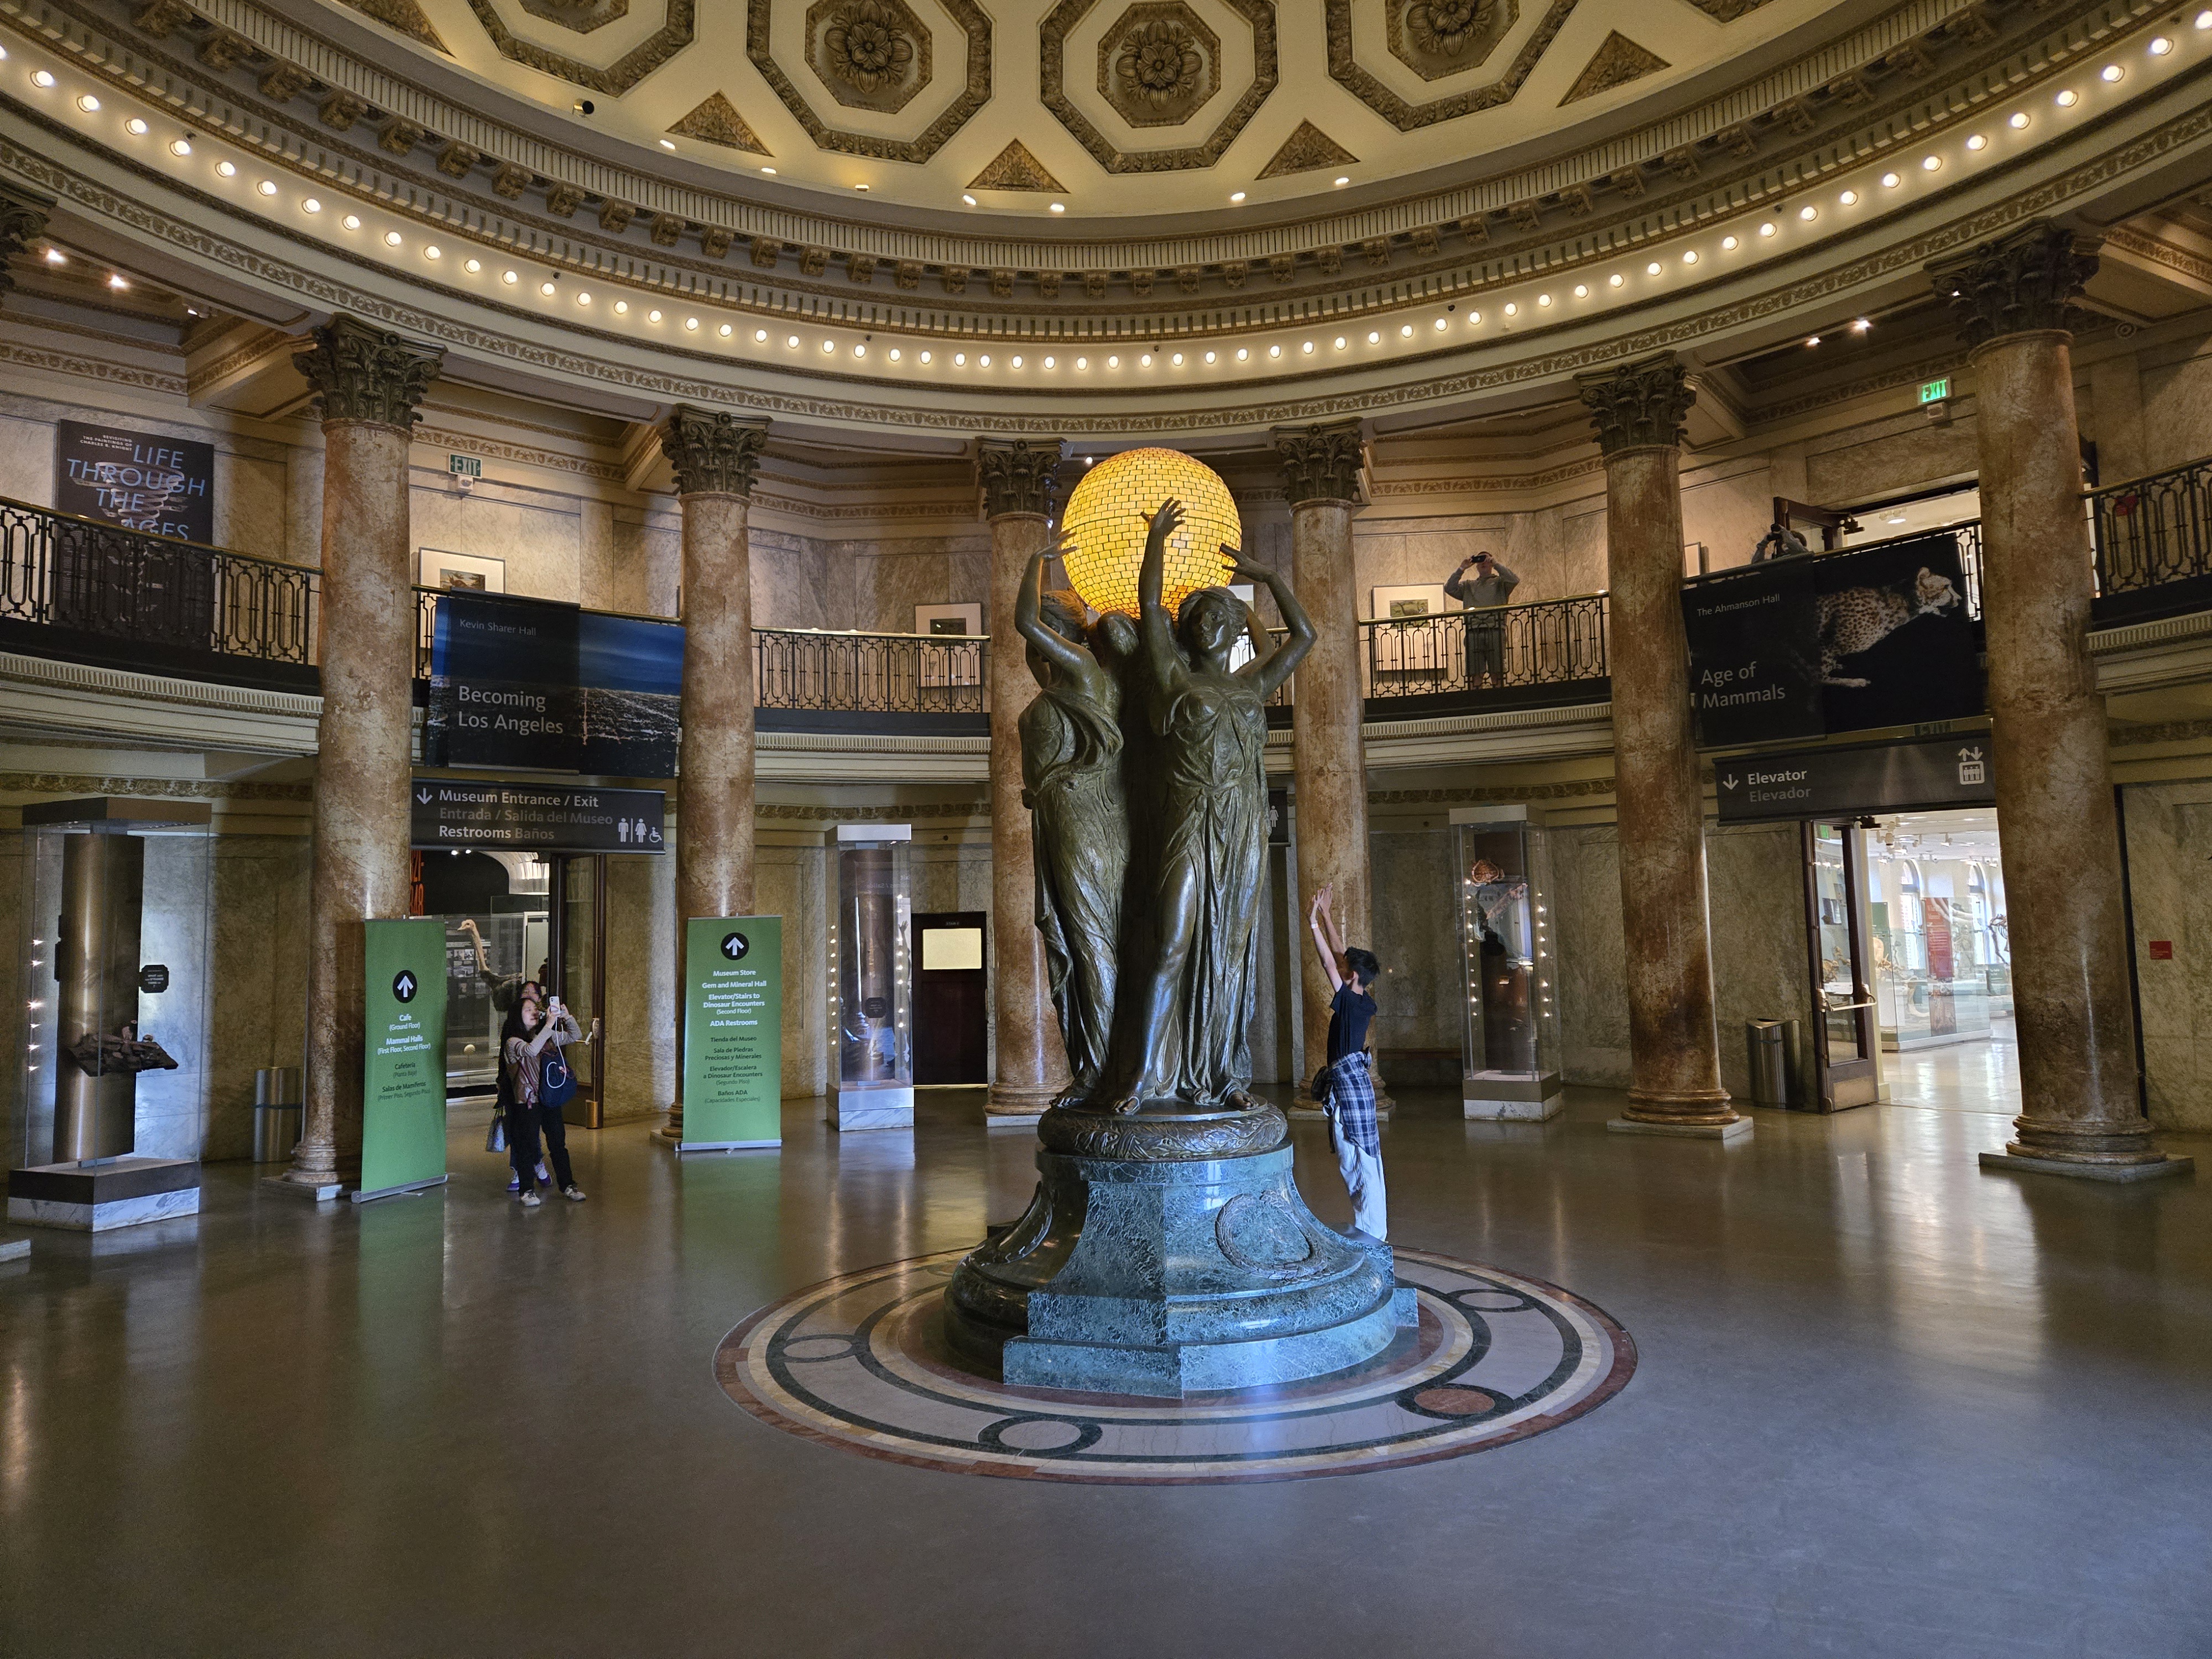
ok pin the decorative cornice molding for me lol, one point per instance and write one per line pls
(495, 449)
(713, 453)
(362, 374)
(1639, 405)
(1020, 477)
(94, 369)
(1322, 463)
(2024, 281)
(88, 783)
(23, 221)
(2159, 252)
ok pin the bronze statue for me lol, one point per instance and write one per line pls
(1079, 819)
(1199, 833)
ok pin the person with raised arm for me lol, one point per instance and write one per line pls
(1345, 1086)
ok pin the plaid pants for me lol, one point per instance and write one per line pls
(1347, 1095)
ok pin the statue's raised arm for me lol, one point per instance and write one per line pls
(1164, 662)
(1272, 669)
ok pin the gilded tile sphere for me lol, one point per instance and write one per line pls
(1109, 514)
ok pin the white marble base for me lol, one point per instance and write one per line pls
(1739, 1130)
(104, 1218)
(14, 1250)
(2058, 1166)
(870, 1108)
(1011, 1119)
(328, 1190)
(1514, 1111)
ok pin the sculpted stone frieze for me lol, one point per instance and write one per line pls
(581, 16)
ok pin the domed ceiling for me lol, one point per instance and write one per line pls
(1086, 108)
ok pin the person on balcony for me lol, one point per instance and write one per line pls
(1485, 594)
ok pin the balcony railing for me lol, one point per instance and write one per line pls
(2152, 533)
(97, 592)
(869, 673)
(1545, 642)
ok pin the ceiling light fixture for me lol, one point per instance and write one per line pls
(1343, 179)
(1768, 228)
(1442, 323)
(1729, 244)
(1812, 340)
(1080, 362)
(1274, 351)
(1145, 361)
(1015, 362)
(434, 251)
(2109, 73)
(1113, 363)
(352, 222)
(959, 360)
(1690, 256)
(135, 127)
(1340, 342)
(1808, 213)
(510, 276)
(584, 298)
(1306, 347)
(1176, 360)
(1543, 299)
(666, 144)
(2068, 98)
(1512, 310)
(90, 105)
(42, 79)
(769, 171)
(225, 170)
(310, 205)
(56, 256)
(983, 361)
(2161, 45)
(1582, 290)
(622, 307)
(117, 281)
(473, 266)
(2017, 119)
(895, 353)
(1241, 354)
(968, 198)
(1374, 338)
(925, 357)
(1849, 198)
(1929, 163)
(1404, 330)
(1616, 279)
(1235, 195)
(653, 316)
(181, 147)
(863, 188)
(1975, 140)
(1060, 207)
(392, 239)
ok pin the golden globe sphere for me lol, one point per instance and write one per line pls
(1109, 514)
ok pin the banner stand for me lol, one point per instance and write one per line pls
(732, 1034)
(400, 1191)
(403, 1058)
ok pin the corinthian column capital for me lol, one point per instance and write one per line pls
(1322, 463)
(713, 453)
(1018, 476)
(1639, 405)
(23, 221)
(361, 374)
(2023, 282)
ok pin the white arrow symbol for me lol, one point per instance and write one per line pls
(1970, 754)
(423, 795)
(1727, 783)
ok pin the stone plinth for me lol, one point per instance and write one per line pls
(872, 1108)
(1172, 1276)
(100, 1197)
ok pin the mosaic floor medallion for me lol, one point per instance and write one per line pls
(860, 1362)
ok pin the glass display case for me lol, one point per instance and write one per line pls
(871, 978)
(1511, 1068)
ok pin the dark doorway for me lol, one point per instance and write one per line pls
(951, 999)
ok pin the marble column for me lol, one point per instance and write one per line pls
(2082, 1112)
(1019, 480)
(1321, 473)
(714, 456)
(1674, 1050)
(367, 384)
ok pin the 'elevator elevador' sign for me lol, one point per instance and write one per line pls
(451, 814)
(1842, 783)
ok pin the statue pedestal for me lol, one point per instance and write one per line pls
(1172, 1276)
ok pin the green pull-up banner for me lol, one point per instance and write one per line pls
(403, 1068)
(732, 1033)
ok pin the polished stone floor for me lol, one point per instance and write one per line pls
(1886, 1403)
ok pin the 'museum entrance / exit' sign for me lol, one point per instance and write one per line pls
(1934, 391)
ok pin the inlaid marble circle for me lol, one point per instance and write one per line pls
(861, 1362)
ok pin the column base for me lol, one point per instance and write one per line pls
(1738, 1129)
(316, 1185)
(2081, 1171)
(1016, 1108)
(671, 1133)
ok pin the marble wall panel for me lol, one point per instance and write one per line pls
(303, 505)
(1728, 515)
(1593, 997)
(1893, 456)
(788, 883)
(252, 503)
(1756, 897)
(26, 460)
(641, 989)
(537, 536)
(2177, 409)
(1582, 552)
(596, 586)
(2169, 843)
(1419, 998)
(790, 583)
(648, 559)
(258, 1012)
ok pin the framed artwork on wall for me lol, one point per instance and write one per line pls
(1696, 562)
(954, 653)
(1419, 599)
(1415, 649)
(464, 571)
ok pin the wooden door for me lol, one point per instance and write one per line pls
(951, 999)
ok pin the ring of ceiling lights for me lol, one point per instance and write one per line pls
(2050, 133)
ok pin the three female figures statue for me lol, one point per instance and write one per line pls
(1142, 767)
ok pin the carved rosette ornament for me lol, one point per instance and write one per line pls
(1159, 62)
(1639, 405)
(1445, 26)
(713, 453)
(1320, 463)
(23, 221)
(866, 47)
(1018, 476)
(362, 374)
(2020, 283)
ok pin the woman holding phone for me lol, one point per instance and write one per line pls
(529, 1029)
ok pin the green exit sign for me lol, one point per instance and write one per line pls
(1934, 391)
(467, 466)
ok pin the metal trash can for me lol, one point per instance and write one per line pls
(278, 1109)
(1774, 1051)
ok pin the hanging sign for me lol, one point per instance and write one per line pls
(1844, 783)
(163, 486)
(403, 1072)
(452, 814)
(1754, 659)
(732, 1033)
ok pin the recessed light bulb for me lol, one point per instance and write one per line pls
(1850, 197)
(392, 239)
(42, 79)
(2017, 119)
(472, 266)
(666, 144)
(760, 336)
(1975, 140)
(225, 170)
(653, 316)
(1060, 207)
(310, 205)
(1511, 309)
(926, 356)
(1768, 228)
(1653, 269)
(2111, 72)
(1728, 243)
(135, 127)
(90, 105)
(352, 222)
(1405, 331)
(1343, 179)
(181, 147)
(968, 198)
(510, 275)
(1235, 195)
(2069, 97)
(769, 171)
(1808, 213)
(2161, 45)
(1929, 163)
(1616, 279)
(1306, 347)
(1274, 351)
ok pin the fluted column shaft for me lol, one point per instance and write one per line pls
(712, 456)
(1329, 764)
(1674, 1046)
(1018, 481)
(2056, 815)
(367, 385)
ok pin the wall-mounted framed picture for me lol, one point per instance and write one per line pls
(955, 657)
(1696, 561)
(464, 571)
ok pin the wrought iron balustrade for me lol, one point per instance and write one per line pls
(2153, 531)
(1544, 642)
(156, 601)
(870, 673)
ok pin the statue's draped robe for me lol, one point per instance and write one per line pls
(1079, 833)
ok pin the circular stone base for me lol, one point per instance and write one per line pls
(861, 1362)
